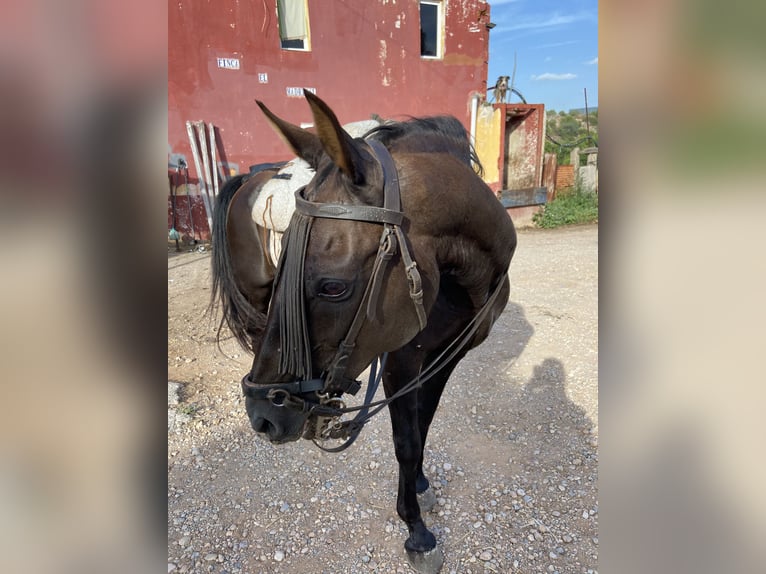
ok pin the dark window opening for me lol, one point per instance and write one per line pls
(429, 30)
(292, 44)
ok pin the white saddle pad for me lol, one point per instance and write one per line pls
(275, 204)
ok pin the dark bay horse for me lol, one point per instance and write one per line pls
(396, 248)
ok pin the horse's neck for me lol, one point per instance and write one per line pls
(459, 221)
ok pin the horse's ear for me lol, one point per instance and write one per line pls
(306, 145)
(337, 143)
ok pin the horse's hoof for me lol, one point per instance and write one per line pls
(427, 500)
(426, 562)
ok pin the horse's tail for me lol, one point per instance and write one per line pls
(240, 316)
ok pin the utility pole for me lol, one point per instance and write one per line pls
(587, 121)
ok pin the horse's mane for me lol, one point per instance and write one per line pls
(240, 316)
(436, 134)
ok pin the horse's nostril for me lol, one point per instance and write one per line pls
(261, 425)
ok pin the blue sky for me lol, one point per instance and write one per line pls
(556, 47)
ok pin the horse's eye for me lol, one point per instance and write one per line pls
(332, 289)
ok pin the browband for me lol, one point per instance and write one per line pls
(367, 213)
(390, 213)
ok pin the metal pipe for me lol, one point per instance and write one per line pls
(201, 132)
(182, 163)
(474, 113)
(200, 176)
(214, 165)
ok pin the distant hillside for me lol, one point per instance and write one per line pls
(566, 130)
(581, 111)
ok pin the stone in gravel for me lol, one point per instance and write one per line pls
(567, 538)
(488, 518)
(210, 557)
(183, 541)
(486, 555)
(174, 393)
(279, 556)
(171, 566)
(447, 466)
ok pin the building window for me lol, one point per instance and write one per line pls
(431, 29)
(293, 24)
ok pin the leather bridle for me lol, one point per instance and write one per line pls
(334, 383)
(319, 397)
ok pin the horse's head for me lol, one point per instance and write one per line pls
(342, 295)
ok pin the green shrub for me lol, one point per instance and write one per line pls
(577, 206)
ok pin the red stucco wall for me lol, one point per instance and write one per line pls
(364, 59)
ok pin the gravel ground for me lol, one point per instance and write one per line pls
(512, 454)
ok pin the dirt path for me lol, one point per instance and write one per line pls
(512, 453)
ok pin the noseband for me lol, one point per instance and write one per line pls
(295, 355)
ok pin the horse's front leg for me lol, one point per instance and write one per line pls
(408, 450)
(421, 544)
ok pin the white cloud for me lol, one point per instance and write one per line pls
(549, 76)
(545, 21)
(554, 45)
(592, 62)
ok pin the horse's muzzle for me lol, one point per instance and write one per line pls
(277, 423)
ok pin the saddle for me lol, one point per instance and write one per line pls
(275, 203)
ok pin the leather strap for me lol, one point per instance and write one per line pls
(386, 250)
(413, 278)
(254, 391)
(392, 197)
(366, 213)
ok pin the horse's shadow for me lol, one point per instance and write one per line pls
(523, 450)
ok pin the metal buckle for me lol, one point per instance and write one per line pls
(274, 396)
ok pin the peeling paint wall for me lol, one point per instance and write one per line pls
(523, 146)
(364, 59)
(509, 143)
(488, 139)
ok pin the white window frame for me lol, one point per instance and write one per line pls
(439, 28)
(306, 39)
